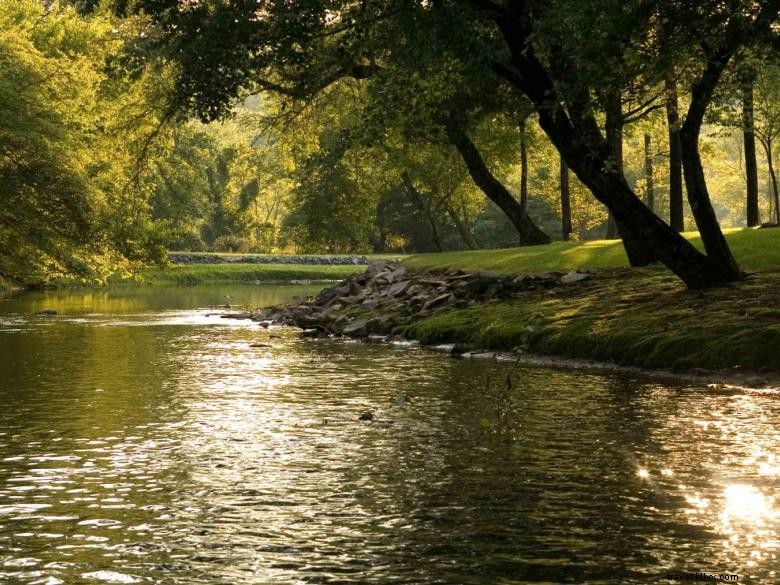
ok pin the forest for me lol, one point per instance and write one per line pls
(133, 128)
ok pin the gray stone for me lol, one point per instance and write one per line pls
(357, 326)
(574, 276)
(488, 274)
(399, 288)
(370, 304)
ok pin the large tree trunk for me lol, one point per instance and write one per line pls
(565, 202)
(523, 164)
(698, 197)
(649, 184)
(676, 219)
(751, 167)
(419, 202)
(637, 253)
(530, 235)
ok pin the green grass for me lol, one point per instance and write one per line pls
(215, 273)
(252, 255)
(757, 250)
(637, 318)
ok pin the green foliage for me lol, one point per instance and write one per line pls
(68, 204)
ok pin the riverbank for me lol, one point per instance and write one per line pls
(641, 318)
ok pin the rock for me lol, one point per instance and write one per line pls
(311, 333)
(229, 315)
(574, 276)
(370, 304)
(396, 274)
(357, 326)
(399, 288)
(258, 345)
(458, 350)
(367, 416)
(488, 275)
(402, 399)
(441, 299)
(355, 289)
(350, 300)
(46, 313)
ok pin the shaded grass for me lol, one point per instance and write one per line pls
(757, 250)
(217, 273)
(640, 318)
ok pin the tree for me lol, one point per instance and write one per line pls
(749, 139)
(565, 201)
(675, 154)
(299, 48)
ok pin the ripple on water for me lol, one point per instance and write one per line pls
(202, 460)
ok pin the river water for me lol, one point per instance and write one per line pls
(142, 439)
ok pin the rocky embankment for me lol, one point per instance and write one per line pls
(387, 296)
(195, 258)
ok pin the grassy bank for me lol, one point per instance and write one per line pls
(755, 249)
(641, 317)
(217, 273)
(637, 318)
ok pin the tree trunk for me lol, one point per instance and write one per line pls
(523, 165)
(751, 167)
(575, 133)
(565, 202)
(676, 219)
(774, 201)
(530, 234)
(649, 185)
(463, 230)
(614, 131)
(419, 202)
(637, 253)
(698, 197)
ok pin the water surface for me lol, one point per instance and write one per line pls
(142, 439)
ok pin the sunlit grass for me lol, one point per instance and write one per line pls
(757, 250)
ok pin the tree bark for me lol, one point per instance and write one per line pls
(676, 219)
(530, 234)
(751, 167)
(698, 197)
(523, 165)
(774, 202)
(637, 253)
(614, 131)
(649, 185)
(419, 202)
(565, 201)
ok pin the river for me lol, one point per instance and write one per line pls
(143, 439)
